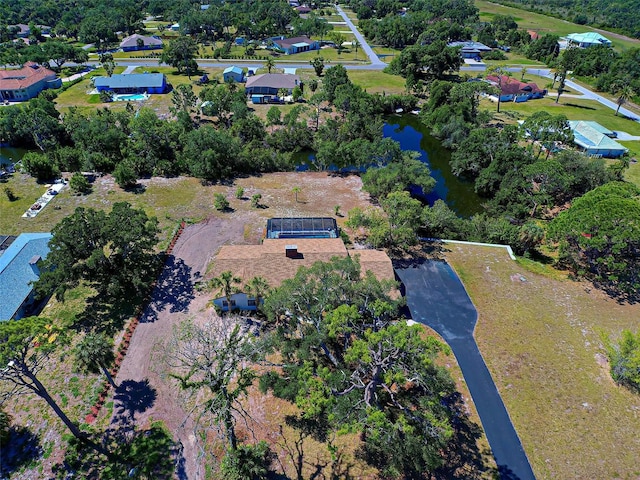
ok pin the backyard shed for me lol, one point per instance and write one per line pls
(233, 74)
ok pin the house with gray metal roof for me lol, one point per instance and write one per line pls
(470, 49)
(19, 266)
(595, 140)
(289, 46)
(132, 83)
(137, 42)
(269, 85)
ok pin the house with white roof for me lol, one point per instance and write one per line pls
(595, 139)
(586, 40)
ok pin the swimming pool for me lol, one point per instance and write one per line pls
(130, 97)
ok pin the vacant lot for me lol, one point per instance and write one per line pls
(540, 338)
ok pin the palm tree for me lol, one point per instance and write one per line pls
(623, 92)
(282, 92)
(356, 44)
(95, 353)
(524, 72)
(257, 287)
(500, 74)
(270, 64)
(224, 284)
(296, 191)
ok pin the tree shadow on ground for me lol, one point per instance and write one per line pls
(132, 397)
(104, 315)
(428, 249)
(22, 449)
(463, 458)
(174, 289)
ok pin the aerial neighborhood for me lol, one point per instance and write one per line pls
(283, 239)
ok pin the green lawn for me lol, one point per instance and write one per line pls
(378, 82)
(541, 341)
(574, 109)
(633, 174)
(544, 24)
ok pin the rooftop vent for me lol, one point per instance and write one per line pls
(291, 251)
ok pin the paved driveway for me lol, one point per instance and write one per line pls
(436, 297)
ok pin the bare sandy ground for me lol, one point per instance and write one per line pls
(175, 300)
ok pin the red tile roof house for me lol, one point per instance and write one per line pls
(27, 82)
(513, 90)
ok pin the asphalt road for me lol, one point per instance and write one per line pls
(436, 297)
(373, 57)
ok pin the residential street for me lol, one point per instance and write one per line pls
(376, 63)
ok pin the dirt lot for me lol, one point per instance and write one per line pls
(176, 300)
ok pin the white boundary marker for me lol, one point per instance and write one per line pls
(507, 247)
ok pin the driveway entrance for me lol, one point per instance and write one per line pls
(436, 298)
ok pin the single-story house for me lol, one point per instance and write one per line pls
(267, 85)
(20, 259)
(27, 82)
(280, 258)
(22, 30)
(513, 90)
(137, 42)
(289, 46)
(595, 140)
(302, 9)
(470, 49)
(233, 74)
(132, 83)
(588, 39)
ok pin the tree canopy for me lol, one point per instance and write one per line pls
(349, 358)
(112, 252)
(599, 236)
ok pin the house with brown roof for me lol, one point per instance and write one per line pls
(292, 45)
(27, 82)
(278, 259)
(513, 90)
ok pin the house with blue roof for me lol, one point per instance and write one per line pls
(233, 74)
(19, 266)
(595, 139)
(588, 39)
(132, 83)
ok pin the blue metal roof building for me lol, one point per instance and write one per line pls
(233, 74)
(132, 83)
(19, 267)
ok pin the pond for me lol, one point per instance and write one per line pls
(412, 134)
(9, 155)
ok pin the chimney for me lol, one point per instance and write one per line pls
(35, 260)
(291, 251)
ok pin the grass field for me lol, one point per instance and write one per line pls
(541, 341)
(544, 24)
